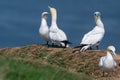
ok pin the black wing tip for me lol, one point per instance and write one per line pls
(80, 45)
(66, 41)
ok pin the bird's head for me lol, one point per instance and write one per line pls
(111, 49)
(45, 14)
(97, 15)
(52, 10)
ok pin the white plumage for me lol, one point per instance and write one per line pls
(93, 37)
(57, 36)
(44, 30)
(107, 62)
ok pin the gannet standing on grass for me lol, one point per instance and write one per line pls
(44, 30)
(107, 62)
(93, 37)
(57, 36)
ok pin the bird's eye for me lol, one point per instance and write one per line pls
(111, 51)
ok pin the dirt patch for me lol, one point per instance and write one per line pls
(67, 58)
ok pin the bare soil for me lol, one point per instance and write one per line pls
(69, 59)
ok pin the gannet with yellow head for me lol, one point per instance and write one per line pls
(107, 63)
(57, 35)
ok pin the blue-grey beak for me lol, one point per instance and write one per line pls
(113, 53)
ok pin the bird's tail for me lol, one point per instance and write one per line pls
(80, 45)
(84, 48)
(66, 42)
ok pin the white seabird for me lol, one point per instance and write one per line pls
(57, 36)
(44, 30)
(93, 37)
(107, 62)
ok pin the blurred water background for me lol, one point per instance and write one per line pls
(20, 20)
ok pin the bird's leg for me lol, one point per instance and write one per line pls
(103, 74)
(90, 48)
(60, 45)
(52, 44)
(65, 45)
(97, 47)
(47, 44)
(113, 73)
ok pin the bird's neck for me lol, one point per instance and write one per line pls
(109, 56)
(43, 21)
(99, 23)
(54, 19)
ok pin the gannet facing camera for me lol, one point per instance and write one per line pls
(93, 37)
(44, 30)
(57, 36)
(107, 63)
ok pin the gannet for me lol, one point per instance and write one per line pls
(44, 30)
(107, 62)
(93, 37)
(57, 36)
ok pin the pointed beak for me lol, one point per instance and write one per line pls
(47, 13)
(114, 53)
(49, 7)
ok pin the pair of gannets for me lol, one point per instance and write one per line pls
(93, 37)
(107, 62)
(54, 34)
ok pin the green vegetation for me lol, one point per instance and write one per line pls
(20, 70)
(29, 63)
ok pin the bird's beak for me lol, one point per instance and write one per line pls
(49, 7)
(114, 53)
(47, 13)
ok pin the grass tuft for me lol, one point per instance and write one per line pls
(22, 70)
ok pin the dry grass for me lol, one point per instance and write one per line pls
(76, 62)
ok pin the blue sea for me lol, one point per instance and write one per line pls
(20, 20)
